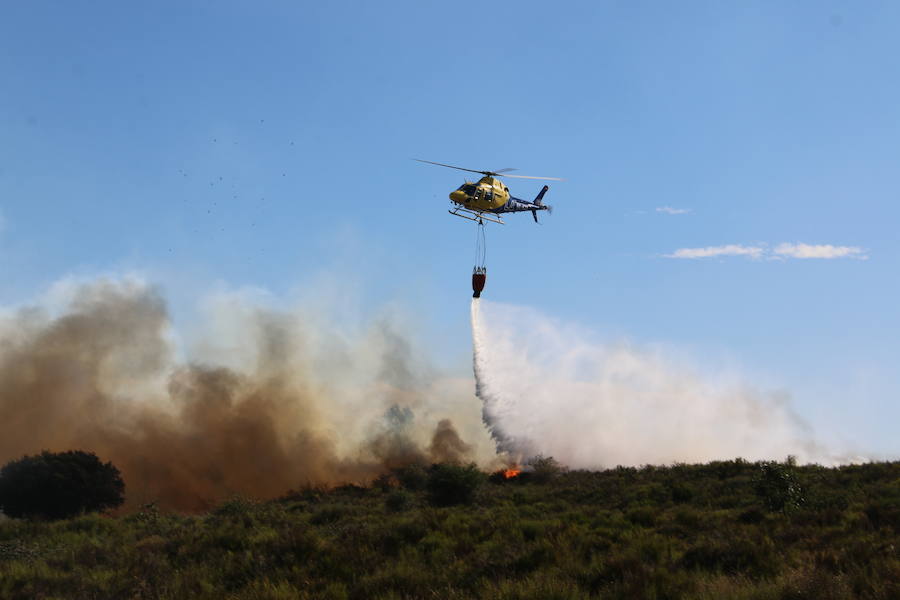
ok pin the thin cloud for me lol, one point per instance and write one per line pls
(780, 252)
(713, 251)
(827, 251)
(670, 210)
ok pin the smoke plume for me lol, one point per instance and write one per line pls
(547, 389)
(269, 400)
(257, 400)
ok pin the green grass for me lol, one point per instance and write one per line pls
(685, 531)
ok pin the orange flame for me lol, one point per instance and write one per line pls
(512, 472)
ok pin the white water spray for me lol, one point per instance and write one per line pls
(495, 407)
(549, 389)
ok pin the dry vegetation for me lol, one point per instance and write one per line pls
(722, 530)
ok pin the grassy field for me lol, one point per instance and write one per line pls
(723, 530)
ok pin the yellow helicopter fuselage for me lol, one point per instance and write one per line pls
(488, 193)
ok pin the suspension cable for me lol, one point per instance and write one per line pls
(480, 245)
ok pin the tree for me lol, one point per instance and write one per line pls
(58, 485)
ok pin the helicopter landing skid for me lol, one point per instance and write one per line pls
(472, 215)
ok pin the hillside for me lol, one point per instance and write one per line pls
(722, 530)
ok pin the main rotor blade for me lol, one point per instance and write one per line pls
(450, 166)
(532, 177)
(500, 173)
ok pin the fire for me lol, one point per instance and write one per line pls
(512, 472)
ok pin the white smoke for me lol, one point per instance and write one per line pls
(549, 389)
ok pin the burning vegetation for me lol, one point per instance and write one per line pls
(512, 472)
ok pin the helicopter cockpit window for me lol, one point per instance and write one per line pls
(467, 188)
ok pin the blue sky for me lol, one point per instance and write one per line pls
(263, 144)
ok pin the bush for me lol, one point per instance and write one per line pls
(680, 492)
(777, 486)
(58, 485)
(385, 482)
(453, 484)
(750, 557)
(752, 516)
(882, 513)
(645, 516)
(331, 513)
(412, 477)
(544, 468)
(398, 501)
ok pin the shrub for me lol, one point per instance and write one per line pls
(751, 516)
(412, 477)
(690, 518)
(644, 516)
(398, 501)
(453, 484)
(680, 492)
(777, 486)
(236, 506)
(330, 513)
(883, 514)
(751, 557)
(385, 482)
(58, 485)
(544, 468)
(726, 469)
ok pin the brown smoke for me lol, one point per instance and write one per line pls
(101, 377)
(446, 445)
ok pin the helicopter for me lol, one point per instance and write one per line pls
(488, 198)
